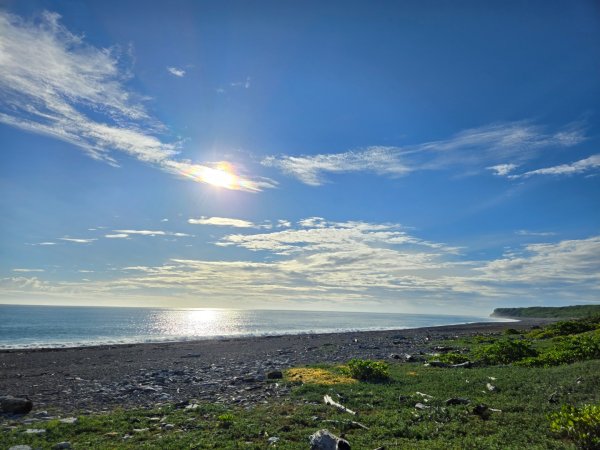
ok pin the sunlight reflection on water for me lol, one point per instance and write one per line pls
(198, 322)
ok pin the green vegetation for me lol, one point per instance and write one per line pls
(581, 425)
(559, 312)
(367, 370)
(504, 351)
(526, 406)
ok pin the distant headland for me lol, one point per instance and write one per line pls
(549, 312)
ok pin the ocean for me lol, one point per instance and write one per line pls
(66, 326)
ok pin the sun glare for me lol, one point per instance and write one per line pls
(223, 175)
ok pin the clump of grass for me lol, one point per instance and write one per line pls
(368, 370)
(505, 351)
(225, 420)
(581, 425)
(309, 375)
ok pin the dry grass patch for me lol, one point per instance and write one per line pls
(317, 376)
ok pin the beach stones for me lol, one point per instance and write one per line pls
(15, 405)
(324, 440)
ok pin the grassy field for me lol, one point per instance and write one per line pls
(522, 396)
(559, 312)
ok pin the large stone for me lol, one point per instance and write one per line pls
(15, 405)
(275, 375)
(20, 447)
(324, 440)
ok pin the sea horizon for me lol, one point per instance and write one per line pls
(52, 326)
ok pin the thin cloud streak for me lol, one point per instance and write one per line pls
(489, 146)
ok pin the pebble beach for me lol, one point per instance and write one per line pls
(229, 371)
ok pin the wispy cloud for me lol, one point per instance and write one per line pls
(116, 236)
(53, 83)
(241, 84)
(503, 169)
(489, 146)
(125, 233)
(582, 166)
(43, 243)
(28, 270)
(534, 233)
(223, 222)
(176, 72)
(78, 240)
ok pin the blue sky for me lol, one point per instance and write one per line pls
(392, 156)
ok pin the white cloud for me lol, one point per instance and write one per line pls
(223, 222)
(43, 243)
(150, 233)
(347, 264)
(28, 270)
(176, 72)
(309, 169)
(581, 166)
(503, 169)
(534, 233)
(164, 220)
(52, 83)
(489, 146)
(283, 223)
(78, 240)
(116, 236)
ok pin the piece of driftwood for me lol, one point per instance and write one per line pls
(329, 401)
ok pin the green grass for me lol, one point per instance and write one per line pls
(559, 312)
(522, 396)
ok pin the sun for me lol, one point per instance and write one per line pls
(218, 177)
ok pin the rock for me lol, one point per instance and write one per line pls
(554, 397)
(35, 431)
(275, 375)
(482, 411)
(421, 406)
(15, 405)
(69, 420)
(62, 445)
(324, 440)
(395, 356)
(273, 440)
(20, 447)
(168, 426)
(491, 387)
(457, 401)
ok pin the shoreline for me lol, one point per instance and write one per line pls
(193, 339)
(230, 370)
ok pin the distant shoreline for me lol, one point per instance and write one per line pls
(108, 376)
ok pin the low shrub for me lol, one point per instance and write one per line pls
(505, 352)
(566, 328)
(511, 331)
(451, 358)
(368, 370)
(567, 350)
(581, 425)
